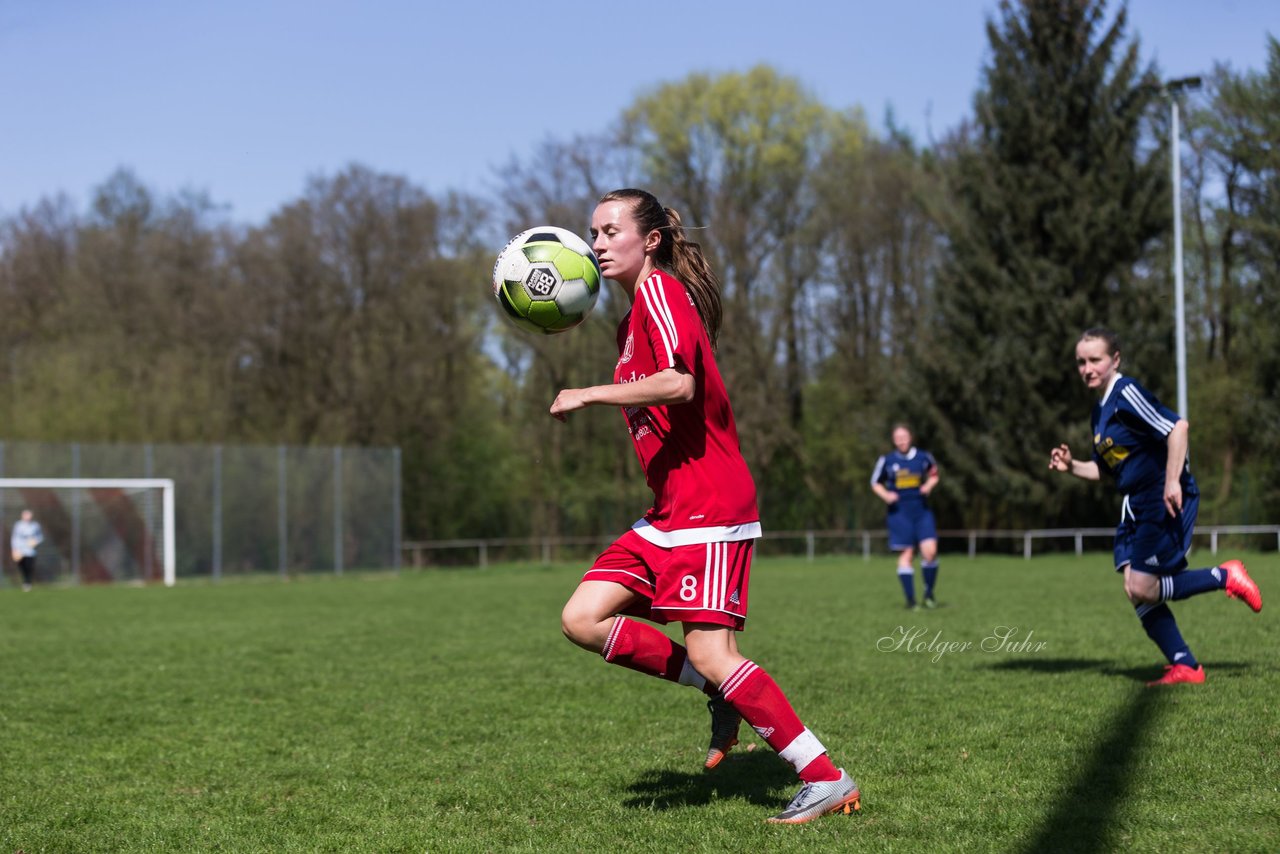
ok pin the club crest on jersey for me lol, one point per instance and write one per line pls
(628, 349)
(1111, 453)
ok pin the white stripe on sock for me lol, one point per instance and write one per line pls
(607, 652)
(689, 676)
(802, 750)
(736, 678)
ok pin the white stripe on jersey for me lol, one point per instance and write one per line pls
(731, 613)
(1126, 510)
(707, 572)
(715, 578)
(666, 313)
(724, 579)
(640, 578)
(663, 307)
(651, 290)
(697, 536)
(1146, 411)
(723, 589)
(875, 475)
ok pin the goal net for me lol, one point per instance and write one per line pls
(95, 530)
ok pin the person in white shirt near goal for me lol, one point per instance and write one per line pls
(26, 538)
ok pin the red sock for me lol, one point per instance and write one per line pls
(642, 647)
(763, 705)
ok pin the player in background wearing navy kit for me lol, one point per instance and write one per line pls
(689, 559)
(903, 478)
(1142, 446)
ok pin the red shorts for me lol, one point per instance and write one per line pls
(700, 583)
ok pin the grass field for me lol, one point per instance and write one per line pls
(443, 711)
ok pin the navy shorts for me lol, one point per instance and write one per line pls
(1149, 540)
(908, 527)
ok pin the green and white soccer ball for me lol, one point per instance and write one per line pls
(546, 279)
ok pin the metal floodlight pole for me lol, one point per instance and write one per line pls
(1179, 298)
(1170, 90)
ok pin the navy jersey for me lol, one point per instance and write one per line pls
(904, 474)
(1130, 432)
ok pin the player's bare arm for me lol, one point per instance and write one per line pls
(888, 496)
(930, 482)
(1177, 442)
(667, 387)
(1060, 459)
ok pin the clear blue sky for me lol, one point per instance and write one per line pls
(244, 99)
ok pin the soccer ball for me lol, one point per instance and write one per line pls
(546, 280)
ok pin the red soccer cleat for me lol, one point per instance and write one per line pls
(1241, 586)
(1175, 674)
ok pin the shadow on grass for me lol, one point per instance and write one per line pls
(1106, 667)
(1084, 810)
(754, 777)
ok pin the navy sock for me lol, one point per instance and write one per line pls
(1163, 629)
(930, 577)
(907, 577)
(1191, 582)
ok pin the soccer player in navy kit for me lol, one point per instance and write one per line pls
(903, 478)
(688, 560)
(1142, 446)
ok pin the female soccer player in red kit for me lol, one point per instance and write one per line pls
(689, 559)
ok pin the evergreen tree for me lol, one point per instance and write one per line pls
(1248, 107)
(1054, 198)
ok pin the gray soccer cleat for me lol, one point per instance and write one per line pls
(724, 729)
(818, 799)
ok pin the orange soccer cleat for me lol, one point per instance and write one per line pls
(1241, 586)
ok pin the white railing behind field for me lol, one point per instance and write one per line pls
(546, 546)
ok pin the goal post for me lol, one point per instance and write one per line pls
(123, 524)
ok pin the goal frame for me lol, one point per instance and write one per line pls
(165, 485)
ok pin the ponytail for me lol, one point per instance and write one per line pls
(690, 266)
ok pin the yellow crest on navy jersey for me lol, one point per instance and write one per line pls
(904, 478)
(1111, 453)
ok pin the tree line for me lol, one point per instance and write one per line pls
(868, 279)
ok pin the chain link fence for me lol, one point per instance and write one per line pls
(239, 509)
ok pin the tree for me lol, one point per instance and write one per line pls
(1055, 201)
(367, 329)
(877, 207)
(1237, 248)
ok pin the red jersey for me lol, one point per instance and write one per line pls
(702, 490)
